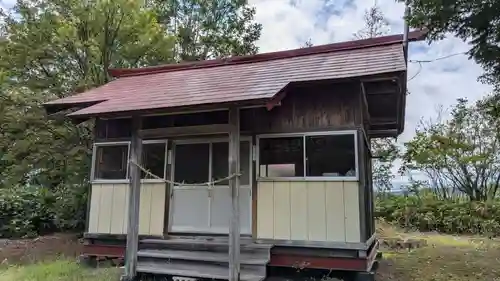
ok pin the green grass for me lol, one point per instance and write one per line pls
(59, 270)
(446, 258)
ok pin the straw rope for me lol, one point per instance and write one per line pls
(208, 183)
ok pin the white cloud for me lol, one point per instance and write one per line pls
(7, 3)
(288, 24)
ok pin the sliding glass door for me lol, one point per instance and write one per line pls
(203, 208)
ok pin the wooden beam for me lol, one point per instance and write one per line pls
(89, 200)
(360, 264)
(133, 203)
(384, 124)
(379, 79)
(104, 250)
(365, 102)
(234, 185)
(185, 131)
(362, 186)
(254, 188)
(363, 94)
(383, 133)
(382, 92)
(401, 104)
(383, 119)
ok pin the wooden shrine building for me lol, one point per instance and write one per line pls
(227, 169)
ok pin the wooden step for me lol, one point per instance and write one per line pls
(200, 245)
(195, 270)
(250, 258)
(201, 258)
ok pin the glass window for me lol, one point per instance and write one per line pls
(153, 159)
(111, 162)
(192, 163)
(245, 162)
(220, 154)
(330, 156)
(325, 156)
(281, 157)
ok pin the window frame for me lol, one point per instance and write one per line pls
(126, 180)
(354, 133)
(210, 141)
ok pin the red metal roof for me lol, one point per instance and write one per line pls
(238, 79)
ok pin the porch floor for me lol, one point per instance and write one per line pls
(201, 258)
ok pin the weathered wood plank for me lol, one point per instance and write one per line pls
(234, 185)
(298, 211)
(196, 270)
(185, 131)
(249, 257)
(95, 200)
(134, 201)
(352, 215)
(282, 216)
(311, 108)
(265, 209)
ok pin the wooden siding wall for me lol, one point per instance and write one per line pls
(311, 211)
(308, 211)
(369, 208)
(309, 108)
(109, 208)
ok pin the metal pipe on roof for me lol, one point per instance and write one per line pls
(402, 101)
(406, 32)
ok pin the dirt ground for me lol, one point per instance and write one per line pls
(39, 249)
(444, 258)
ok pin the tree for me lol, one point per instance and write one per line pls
(60, 46)
(459, 155)
(54, 48)
(209, 29)
(384, 150)
(375, 24)
(475, 21)
(307, 44)
(35, 150)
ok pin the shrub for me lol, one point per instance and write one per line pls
(28, 211)
(446, 216)
(70, 207)
(24, 211)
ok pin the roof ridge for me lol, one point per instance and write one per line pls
(327, 48)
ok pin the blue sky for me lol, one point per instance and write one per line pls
(287, 24)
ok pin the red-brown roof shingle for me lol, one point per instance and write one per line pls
(237, 79)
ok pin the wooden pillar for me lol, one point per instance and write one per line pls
(134, 200)
(234, 185)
